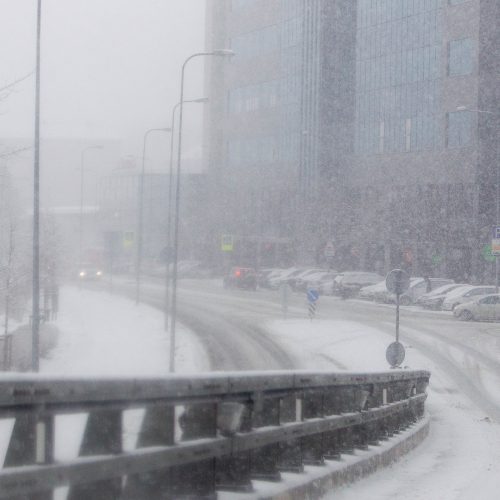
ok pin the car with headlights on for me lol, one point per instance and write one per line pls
(87, 273)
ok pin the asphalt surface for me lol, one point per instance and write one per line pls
(231, 326)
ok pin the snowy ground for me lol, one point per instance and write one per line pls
(103, 334)
(459, 460)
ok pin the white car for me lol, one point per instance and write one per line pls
(464, 294)
(418, 287)
(485, 308)
(434, 299)
(370, 292)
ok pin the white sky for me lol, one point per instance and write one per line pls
(110, 68)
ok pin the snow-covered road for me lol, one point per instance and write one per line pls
(245, 330)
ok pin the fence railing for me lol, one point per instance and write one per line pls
(198, 434)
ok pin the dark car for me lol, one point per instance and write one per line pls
(241, 277)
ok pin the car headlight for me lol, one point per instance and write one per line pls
(98, 273)
(82, 274)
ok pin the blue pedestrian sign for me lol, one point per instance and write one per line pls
(312, 295)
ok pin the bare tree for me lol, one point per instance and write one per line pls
(5, 91)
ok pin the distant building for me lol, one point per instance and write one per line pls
(119, 199)
(371, 124)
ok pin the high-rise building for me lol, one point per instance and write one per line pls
(370, 124)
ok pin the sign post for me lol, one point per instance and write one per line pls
(397, 282)
(329, 253)
(495, 251)
(312, 298)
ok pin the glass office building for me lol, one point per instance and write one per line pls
(366, 123)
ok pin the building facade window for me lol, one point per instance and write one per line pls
(256, 43)
(459, 129)
(398, 52)
(241, 4)
(460, 57)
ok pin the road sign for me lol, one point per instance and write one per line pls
(329, 250)
(495, 233)
(495, 246)
(436, 259)
(128, 238)
(397, 281)
(487, 255)
(312, 295)
(395, 354)
(227, 243)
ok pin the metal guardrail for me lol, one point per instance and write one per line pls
(233, 427)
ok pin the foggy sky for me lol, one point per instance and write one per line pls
(110, 68)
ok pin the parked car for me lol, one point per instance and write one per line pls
(299, 281)
(434, 299)
(348, 283)
(313, 275)
(370, 292)
(483, 308)
(241, 277)
(465, 294)
(264, 276)
(284, 277)
(418, 286)
(322, 282)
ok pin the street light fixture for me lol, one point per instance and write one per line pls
(82, 165)
(140, 228)
(219, 53)
(200, 100)
(497, 217)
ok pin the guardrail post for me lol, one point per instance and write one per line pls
(233, 473)
(291, 453)
(157, 429)
(313, 446)
(266, 411)
(188, 481)
(31, 442)
(102, 436)
(347, 404)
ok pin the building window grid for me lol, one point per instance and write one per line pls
(394, 64)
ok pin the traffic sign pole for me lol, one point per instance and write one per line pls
(397, 282)
(397, 317)
(312, 297)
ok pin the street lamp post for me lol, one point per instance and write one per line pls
(35, 314)
(220, 53)
(140, 221)
(201, 100)
(497, 188)
(80, 232)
